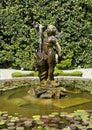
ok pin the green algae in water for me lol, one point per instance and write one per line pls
(70, 102)
(19, 101)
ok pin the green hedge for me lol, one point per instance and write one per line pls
(56, 73)
(18, 37)
(61, 73)
(20, 74)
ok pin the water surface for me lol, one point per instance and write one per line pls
(19, 101)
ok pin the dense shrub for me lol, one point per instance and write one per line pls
(76, 73)
(64, 64)
(18, 38)
(36, 73)
(61, 73)
(20, 74)
(56, 73)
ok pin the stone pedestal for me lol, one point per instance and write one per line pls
(50, 90)
(50, 93)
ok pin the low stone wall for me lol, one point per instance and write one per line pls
(79, 83)
(9, 84)
(69, 82)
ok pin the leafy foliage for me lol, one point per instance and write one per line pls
(56, 73)
(19, 74)
(61, 73)
(18, 38)
(80, 119)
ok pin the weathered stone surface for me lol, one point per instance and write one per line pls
(46, 96)
(50, 92)
(39, 92)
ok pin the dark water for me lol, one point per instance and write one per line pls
(19, 101)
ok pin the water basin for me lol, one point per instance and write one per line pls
(19, 101)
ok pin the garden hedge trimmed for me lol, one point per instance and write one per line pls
(20, 74)
(56, 73)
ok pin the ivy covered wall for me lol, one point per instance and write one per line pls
(18, 38)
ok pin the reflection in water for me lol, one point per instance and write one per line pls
(19, 101)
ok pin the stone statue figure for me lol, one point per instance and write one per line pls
(50, 44)
(45, 61)
(45, 58)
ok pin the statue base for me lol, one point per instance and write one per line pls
(50, 93)
(49, 90)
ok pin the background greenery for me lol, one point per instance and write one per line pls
(18, 38)
(56, 73)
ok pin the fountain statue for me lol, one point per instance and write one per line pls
(45, 61)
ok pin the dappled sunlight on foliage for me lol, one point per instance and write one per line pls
(18, 38)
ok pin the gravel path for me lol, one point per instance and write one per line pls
(6, 73)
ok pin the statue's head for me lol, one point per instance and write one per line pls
(51, 30)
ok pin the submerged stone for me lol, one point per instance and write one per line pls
(46, 96)
(70, 102)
